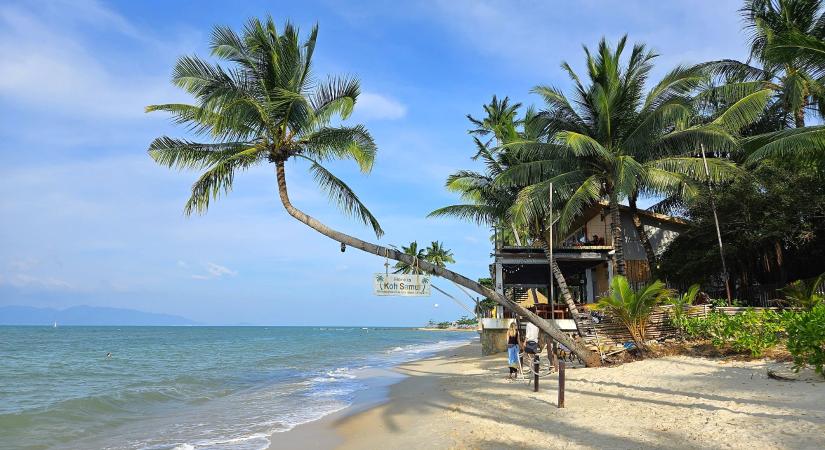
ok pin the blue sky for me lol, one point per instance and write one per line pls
(86, 218)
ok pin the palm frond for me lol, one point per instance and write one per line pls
(806, 143)
(354, 143)
(219, 178)
(184, 154)
(342, 196)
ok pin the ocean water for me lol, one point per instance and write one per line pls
(187, 387)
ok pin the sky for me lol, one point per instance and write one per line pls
(86, 218)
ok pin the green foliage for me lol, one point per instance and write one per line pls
(751, 331)
(772, 225)
(611, 137)
(436, 254)
(443, 325)
(803, 294)
(806, 338)
(682, 306)
(633, 308)
(464, 320)
(262, 104)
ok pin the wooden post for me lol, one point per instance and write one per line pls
(536, 372)
(561, 383)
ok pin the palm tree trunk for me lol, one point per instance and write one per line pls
(799, 117)
(565, 291)
(640, 230)
(590, 358)
(616, 231)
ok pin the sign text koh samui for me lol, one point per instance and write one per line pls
(401, 284)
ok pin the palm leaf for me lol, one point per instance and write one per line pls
(342, 196)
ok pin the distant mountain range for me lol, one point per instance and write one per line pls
(86, 315)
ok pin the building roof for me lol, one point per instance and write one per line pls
(600, 206)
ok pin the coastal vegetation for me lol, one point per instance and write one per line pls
(435, 254)
(728, 146)
(633, 308)
(268, 108)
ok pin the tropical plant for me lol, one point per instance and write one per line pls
(804, 294)
(464, 320)
(269, 108)
(500, 121)
(797, 87)
(682, 307)
(414, 252)
(806, 338)
(786, 39)
(438, 255)
(435, 254)
(489, 203)
(774, 230)
(751, 331)
(613, 141)
(633, 308)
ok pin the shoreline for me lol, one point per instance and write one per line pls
(323, 433)
(447, 329)
(458, 399)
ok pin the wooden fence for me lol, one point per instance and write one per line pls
(611, 332)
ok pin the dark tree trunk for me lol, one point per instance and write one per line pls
(555, 270)
(590, 358)
(640, 230)
(616, 231)
(799, 117)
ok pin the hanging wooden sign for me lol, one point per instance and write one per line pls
(404, 285)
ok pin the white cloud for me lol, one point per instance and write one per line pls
(218, 271)
(24, 264)
(214, 271)
(29, 281)
(376, 106)
(48, 67)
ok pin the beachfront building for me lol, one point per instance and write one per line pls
(585, 257)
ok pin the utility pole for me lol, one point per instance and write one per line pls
(718, 232)
(550, 245)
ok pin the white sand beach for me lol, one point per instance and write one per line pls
(461, 400)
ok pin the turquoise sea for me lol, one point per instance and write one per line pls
(187, 387)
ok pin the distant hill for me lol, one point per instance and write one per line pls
(86, 315)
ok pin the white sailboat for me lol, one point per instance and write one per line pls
(54, 325)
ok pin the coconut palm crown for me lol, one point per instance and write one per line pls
(615, 140)
(264, 106)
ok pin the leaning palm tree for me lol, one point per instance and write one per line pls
(267, 108)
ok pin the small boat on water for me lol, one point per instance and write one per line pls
(54, 325)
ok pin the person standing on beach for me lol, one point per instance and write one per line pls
(513, 346)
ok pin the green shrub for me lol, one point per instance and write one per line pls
(806, 337)
(803, 294)
(681, 307)
(752, 331)
(633, 308)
